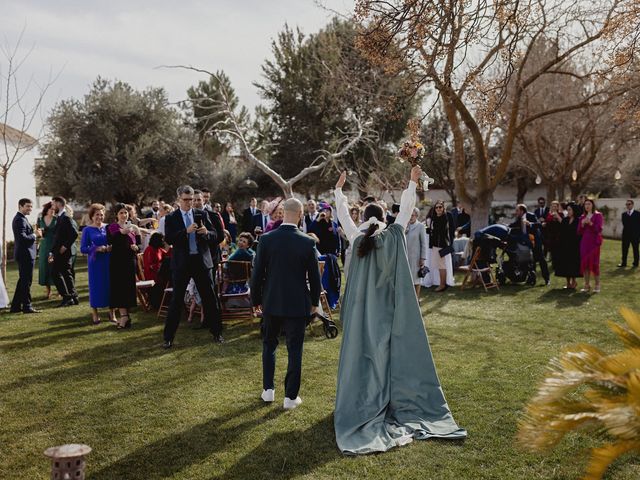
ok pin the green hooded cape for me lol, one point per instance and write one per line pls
(388, 390)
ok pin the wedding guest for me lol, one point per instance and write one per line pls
(153, 256)
(193, 300)
(567, 253)
(193, 236)
(276, 219)
(261, 219)
(217, 208)
(93, 243)
(552, 230)
(311, 215)
(417, 246)
(24, 253)
(61, 255)
(154, 212)
(630, 234)
(216, 220)
(248, 214)
(439, 232)
(354, 213)
(461, 220)
(243, 253)
(206, 199)
(124, 238)
(541, 210)
(47, 224)
(528, 225)
(154, 261)
(230, 222)
(327, 231)
(74, 248)
(164, 211)
(391, 216)
(590, 228)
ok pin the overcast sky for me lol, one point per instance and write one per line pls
(128, 40)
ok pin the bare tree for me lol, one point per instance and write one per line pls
(477, 56)
(20, 104)
(232, 128)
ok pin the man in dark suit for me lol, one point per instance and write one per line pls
(528, 224)
(311, 215)
(461, 220)
(155, 210)
(193, 237)
(216, 220)
(261, 219)
(630, 233)
(542, 210)
(24, 253)
(285, 261)
(61, 255)
(247, 215)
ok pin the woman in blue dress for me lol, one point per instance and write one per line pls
(94, 244)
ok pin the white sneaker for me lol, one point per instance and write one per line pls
(268, 395)
(291, 404)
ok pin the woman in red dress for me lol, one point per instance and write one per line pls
(590, 227)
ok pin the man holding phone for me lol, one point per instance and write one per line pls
(193, 237)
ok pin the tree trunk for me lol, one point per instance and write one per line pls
(480, 210)
(4, 227)
(522, 187)
(561, 192)
(551, 193)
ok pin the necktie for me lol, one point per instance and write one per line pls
(193, 247)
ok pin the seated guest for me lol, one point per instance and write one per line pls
(327, 232)
(153, 256)
(244, 253)
(94, 244)
(156, 267)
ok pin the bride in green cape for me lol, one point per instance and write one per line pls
(388, 391)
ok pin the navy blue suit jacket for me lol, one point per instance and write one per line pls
(175, 232)
(285, 260)
(25, 239)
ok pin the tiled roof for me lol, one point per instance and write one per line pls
(16, 136)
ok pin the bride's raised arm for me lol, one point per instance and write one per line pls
(408, 198)
(342, 207)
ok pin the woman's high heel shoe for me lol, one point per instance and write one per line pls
(127, 324)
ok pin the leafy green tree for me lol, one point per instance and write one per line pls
(313, 87)
(118, 144)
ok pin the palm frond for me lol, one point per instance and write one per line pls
(586, 388)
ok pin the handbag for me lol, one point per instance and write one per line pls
(446, 251)
(422, 271)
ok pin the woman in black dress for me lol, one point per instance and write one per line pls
(567, 262)
(124, 239)
(439, 232)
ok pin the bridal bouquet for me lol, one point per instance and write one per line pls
(411, 151)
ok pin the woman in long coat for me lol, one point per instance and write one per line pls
(417, 246)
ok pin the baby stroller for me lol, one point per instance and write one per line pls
(330, 328)
(519, 266)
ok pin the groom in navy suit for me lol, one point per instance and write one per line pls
(286, 260)
(24, 252)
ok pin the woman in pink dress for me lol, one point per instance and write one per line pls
(590, 227)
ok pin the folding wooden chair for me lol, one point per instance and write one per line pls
(474, 275)
(235, 272)
(143, 287)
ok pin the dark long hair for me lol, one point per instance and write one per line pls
(368, 243)
(45, 208)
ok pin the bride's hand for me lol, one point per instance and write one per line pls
(341, 180)
(416, 173)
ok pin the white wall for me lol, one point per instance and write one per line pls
(21, 183)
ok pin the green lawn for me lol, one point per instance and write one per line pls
(194, 412)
